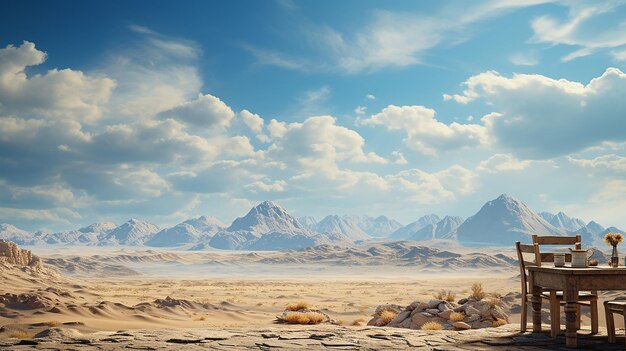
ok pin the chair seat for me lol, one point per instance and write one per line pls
(582, 296)
(615, 305)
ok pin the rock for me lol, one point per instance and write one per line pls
(399, 318)
(461, 325)
(444, 306)
(434, 303)
(445, 314)
(10, 253)
(388, 307)
(485, 324)
(483, 308)
(375, 322)
(463, 301)
(60, 333)
(471, 318)
(405, 324)
(498, 313)
(469, 310)
(433, 311)
(418, 319)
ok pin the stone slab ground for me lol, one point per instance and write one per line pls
(305, 338)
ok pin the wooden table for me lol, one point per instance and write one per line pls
(571, 281)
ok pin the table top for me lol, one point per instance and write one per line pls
(568, 270)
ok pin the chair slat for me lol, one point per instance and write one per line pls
(555, 240)
(549, 257)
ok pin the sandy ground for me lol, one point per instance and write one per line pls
(219, 294)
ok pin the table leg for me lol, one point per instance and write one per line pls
(570, 294)
(536, 304)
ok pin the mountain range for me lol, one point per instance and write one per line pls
(268, 226)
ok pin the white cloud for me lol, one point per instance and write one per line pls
(502, 162)
(260, 186)
(252, 120)
(619, 55)
(524, 59)
(318, 140)
(426, 134)
(590, 26)
(206, 111)
(370, 97)
(608, 162)
(540, 117)
(400, 160)
(58, 93)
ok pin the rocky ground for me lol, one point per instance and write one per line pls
(304, 338)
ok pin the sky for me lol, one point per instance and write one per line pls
(166, 110)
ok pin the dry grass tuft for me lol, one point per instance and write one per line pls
(298, 306)
(304, 318)
(52, 323)
(339, 322)
(456, 316)
(358, 322)
(498, 323)
(201, 318)
(432, 326)
(494, 301)
(387, 316)
(445, 295)
(477, 292)
(20, 334)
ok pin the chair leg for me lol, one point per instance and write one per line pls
(593, 305)
(578, 316)
(610, 323)
(555, 315)
(623, 314)
(524, 317)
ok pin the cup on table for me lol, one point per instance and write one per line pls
(559, 260)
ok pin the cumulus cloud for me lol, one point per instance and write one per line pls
(318, 140)
(58, 93)
(207, 111)
(425, 133)
(502, 162)
(252, 120)
(541, 117)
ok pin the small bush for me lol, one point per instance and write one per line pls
(20, 334)
(339, 322)
(498, 323)
(358, 322)
(201, 318)
(477, 292)
(494, 301)
(456, 316)
(298, 306)
(304, 318)
(432, 326)
(52, 323)
(387, 316)
(445, 295)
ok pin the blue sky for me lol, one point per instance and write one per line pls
(165, 111)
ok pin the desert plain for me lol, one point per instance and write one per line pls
(105, 289)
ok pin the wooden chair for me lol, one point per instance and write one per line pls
(610, 307)
(556, 297)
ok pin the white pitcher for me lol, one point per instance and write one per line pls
(580, 257)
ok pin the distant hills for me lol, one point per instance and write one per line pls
(268, 226)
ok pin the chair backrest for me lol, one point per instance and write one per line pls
(554, 240)
(521, 250)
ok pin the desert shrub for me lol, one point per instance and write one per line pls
(456, 316)
(498, 323)
(304, 318)
(494, 301)
(445, 295)
(339, 322)
(432, 326)
(20, 334)
(387, 316)
(477, 292)
(52, 323)
(201, 318)
(298, 306)
(358, 322)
